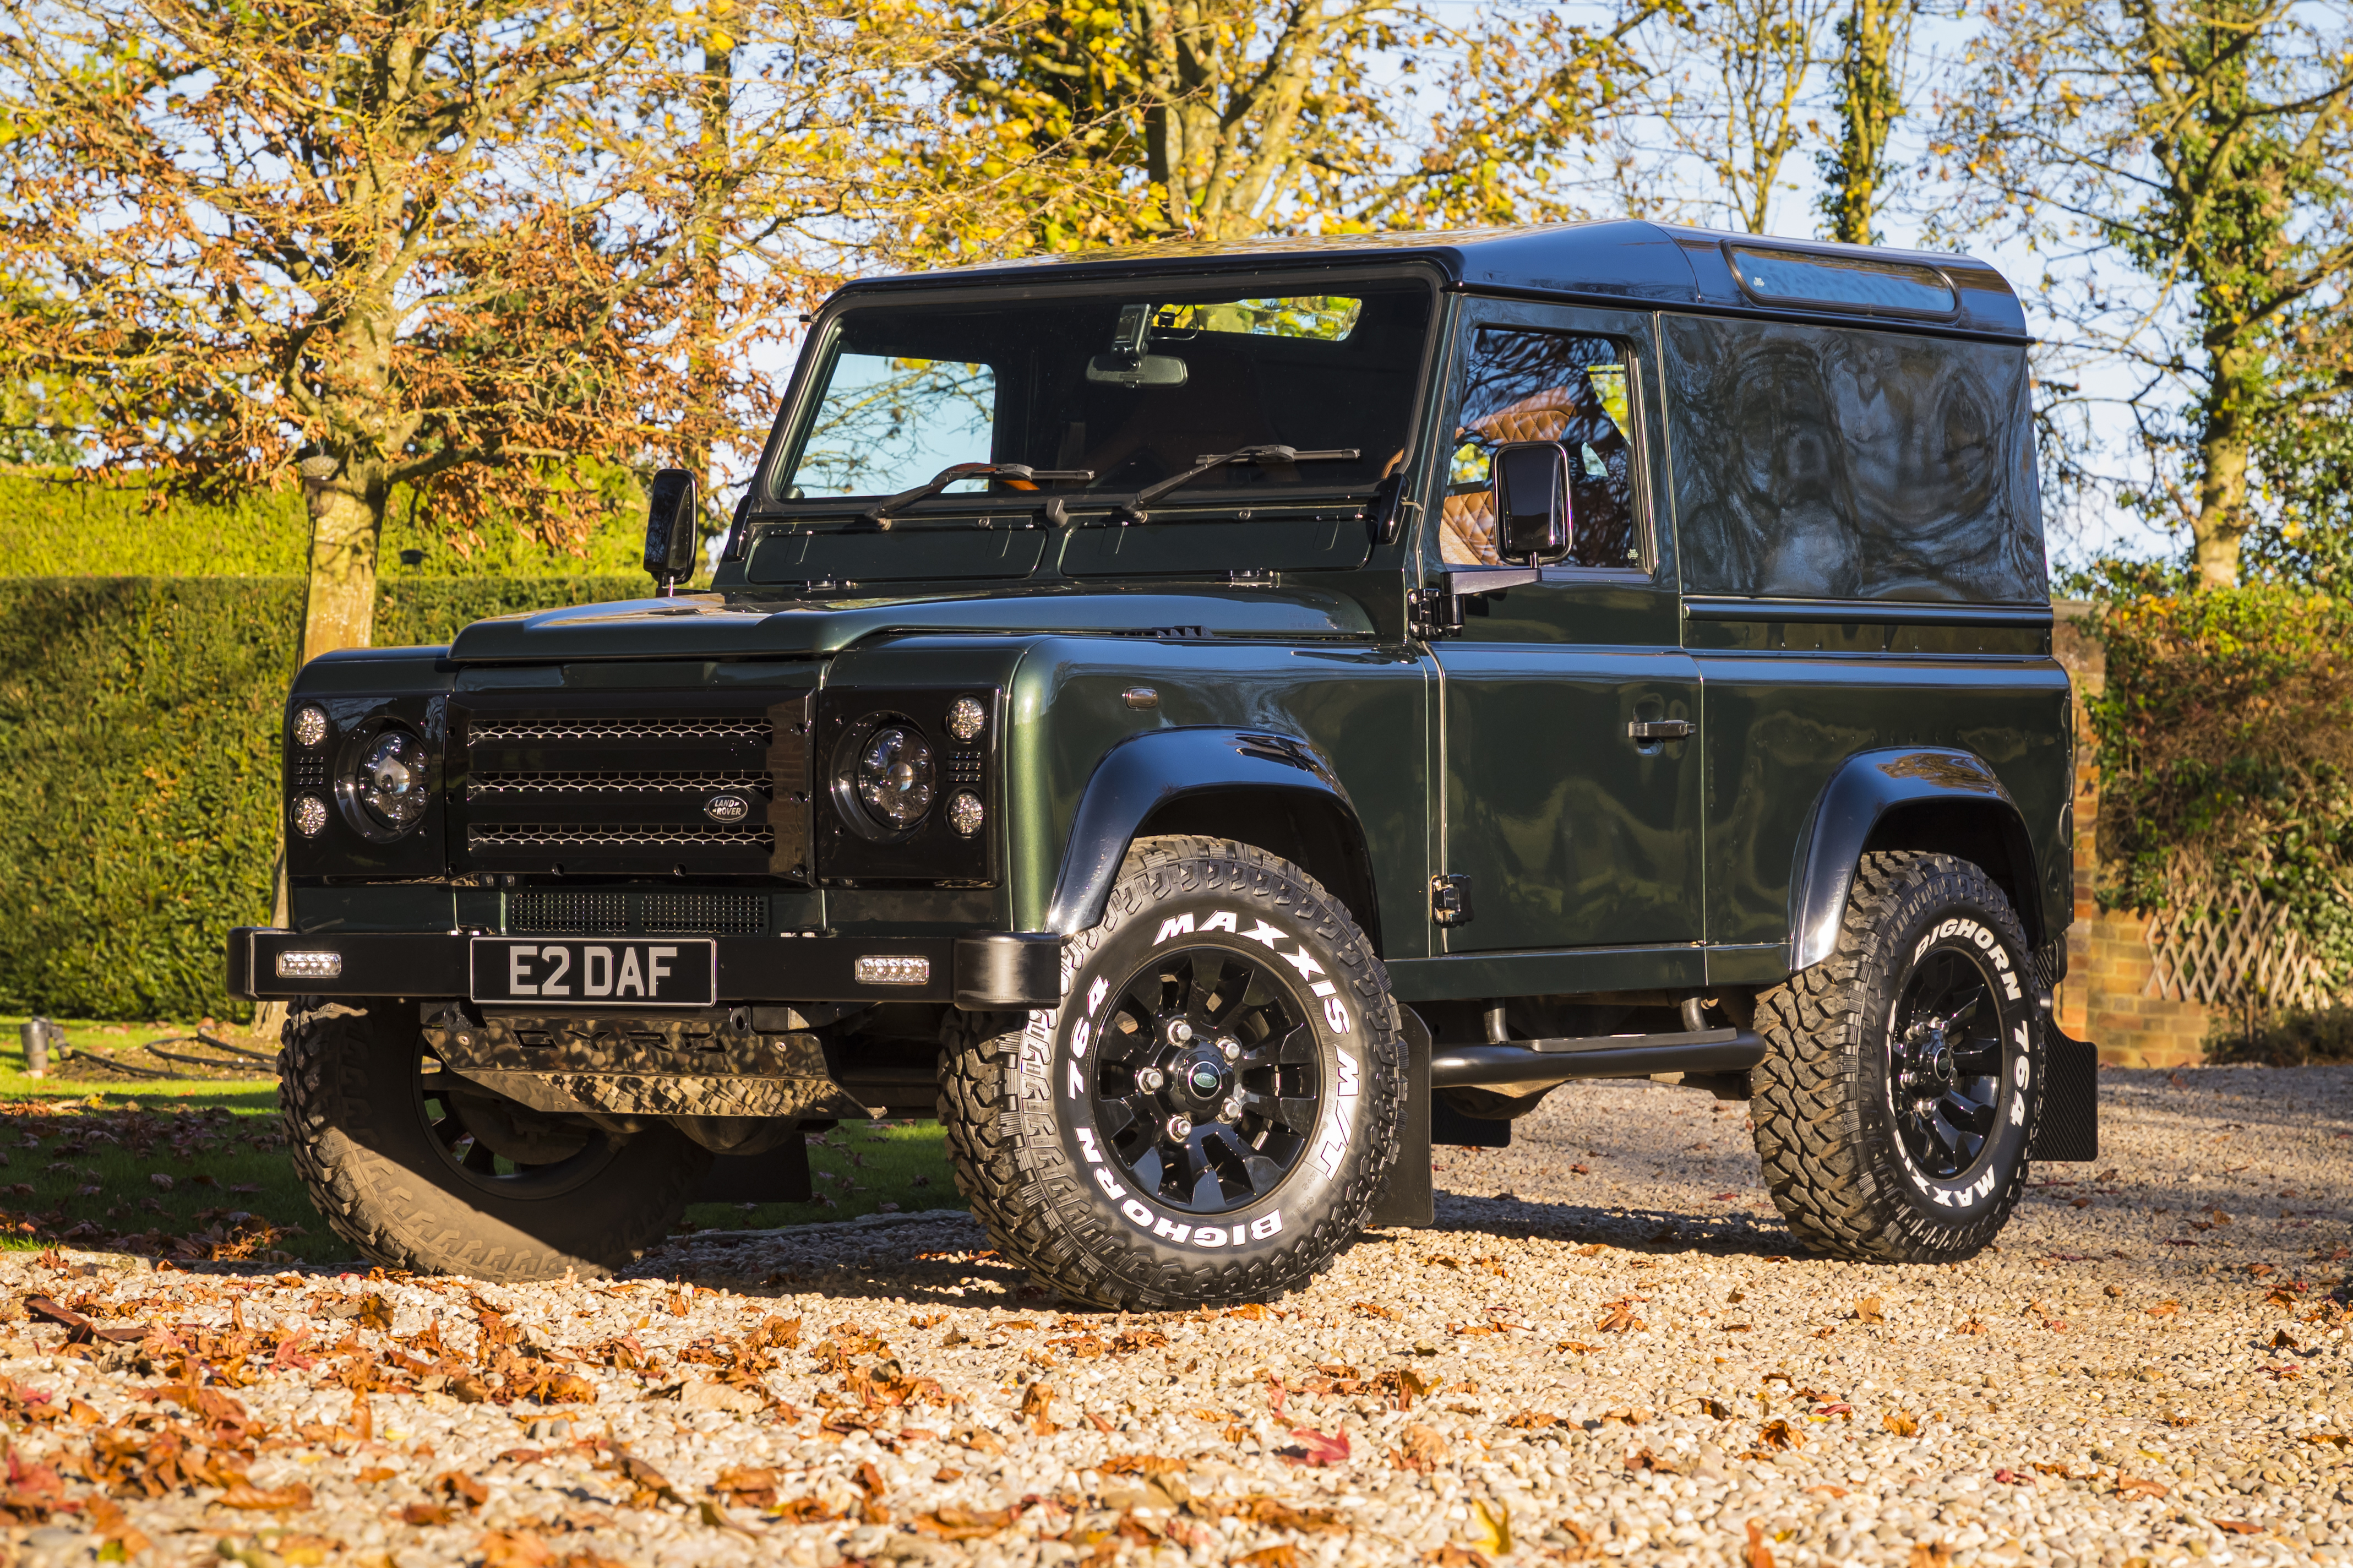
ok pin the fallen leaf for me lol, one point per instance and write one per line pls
(512, 1549)
(1618, 1317)
(1930, 1554)
(459, 1486)
(1903, 1426)
(246, 1495)
(1451, 1555)
(1282, 1554)
(953, 1523)
(424, 1514)
(1372, 1309)
(1316, 1448)
(1491, 1526)
(2134, 1486)
(2237, 1526)
(1867, 1311)
(1276, 1514)
(1644, 1459)
(2165, 1309)
(1759, 1555)
(2283, 1341)
(1781, 1435)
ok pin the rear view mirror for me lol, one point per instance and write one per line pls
(670, 532)
(1127, 364)
(1532, 521)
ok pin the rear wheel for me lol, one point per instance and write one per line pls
(424, 1170)
(1212, 1113)
(1904, 1072)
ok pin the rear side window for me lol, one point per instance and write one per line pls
(1842, 463)
(1521, 386)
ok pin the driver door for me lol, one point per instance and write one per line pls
(1576, 822)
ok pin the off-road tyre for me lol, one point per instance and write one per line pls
(1037, 1154)
(1828, 1129)
(348, 1091)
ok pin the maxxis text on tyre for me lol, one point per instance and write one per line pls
(1213, 1111)
(1904, 1072)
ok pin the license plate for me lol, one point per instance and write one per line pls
(580, 973)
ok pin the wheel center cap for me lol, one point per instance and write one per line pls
(1204, 1080)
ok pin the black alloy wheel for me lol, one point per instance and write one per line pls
(502, 1147)
(1944, 1075)
(1207, 1084)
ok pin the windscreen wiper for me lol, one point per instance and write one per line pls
(881, 514)
(1133, 511)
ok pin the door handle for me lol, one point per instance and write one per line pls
(1660, 729)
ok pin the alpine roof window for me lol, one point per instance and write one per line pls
(1851, 282)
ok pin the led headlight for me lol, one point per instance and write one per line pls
(967, 717)
(895, 779)
(390, 783)
(310, 726)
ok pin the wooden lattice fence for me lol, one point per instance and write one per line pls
(2243, 953)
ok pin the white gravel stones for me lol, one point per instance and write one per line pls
(1600, 1353)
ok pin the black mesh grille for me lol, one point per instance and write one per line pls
(615, 835)
(635, 914)
(512, 731)
(608, 780)
(569, 915)
(711, 914)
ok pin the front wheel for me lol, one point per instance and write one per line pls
(424, 1170)
(1903, 1074)
(1211, 1115)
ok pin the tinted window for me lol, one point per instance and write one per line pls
(1136, 387)
(1841, 463)
(1521, 385)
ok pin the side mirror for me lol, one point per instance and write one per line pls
(670, 532)
(1532, 521)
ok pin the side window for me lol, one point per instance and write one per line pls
(1525, 385)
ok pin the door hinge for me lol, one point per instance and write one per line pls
(1450, 899)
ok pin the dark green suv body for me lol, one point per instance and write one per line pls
(1205, 722)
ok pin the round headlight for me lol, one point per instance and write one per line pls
(391, 781)
(310, 726)
(966, 717)
(966, 812)
(895, 777)
(309, 815)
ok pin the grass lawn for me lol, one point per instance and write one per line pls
(82, 1150)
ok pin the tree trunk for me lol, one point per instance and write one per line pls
(346, 529)
(1869, 99)
(2225, 433)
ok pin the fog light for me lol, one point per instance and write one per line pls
(965, 812)
(310, 965)
(892, 971)
(309, 815)
(310, 726)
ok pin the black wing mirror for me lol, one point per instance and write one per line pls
(670, 532)
(1532, 521)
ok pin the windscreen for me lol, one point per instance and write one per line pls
(1133, 388)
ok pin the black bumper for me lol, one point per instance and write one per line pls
(985, 970)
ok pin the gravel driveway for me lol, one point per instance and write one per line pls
(1600, 1352)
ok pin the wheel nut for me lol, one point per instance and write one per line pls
(1149, 1079)
(1180, 1031)
(1233, 1047)
(1180, 1128)
(1230, 1111)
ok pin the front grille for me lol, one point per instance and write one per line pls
(636, 783)
(737, 732)
(569, 915)
(632, 913)
(616, 835)
(705, 914)
(609, 781)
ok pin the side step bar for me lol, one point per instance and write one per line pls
(1540, 1064)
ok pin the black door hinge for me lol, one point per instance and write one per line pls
(1450, 899)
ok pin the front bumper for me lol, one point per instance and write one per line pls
(982, 971)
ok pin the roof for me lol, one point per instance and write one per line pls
(1625, 262)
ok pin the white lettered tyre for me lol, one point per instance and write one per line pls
(1213, 1111)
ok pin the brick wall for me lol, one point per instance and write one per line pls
(2107, 998)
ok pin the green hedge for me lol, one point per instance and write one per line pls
(65, 525)
(139, 733)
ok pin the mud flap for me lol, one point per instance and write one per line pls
(1406, 1203)
(2070, 1127)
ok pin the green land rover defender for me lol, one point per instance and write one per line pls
(1206, 722)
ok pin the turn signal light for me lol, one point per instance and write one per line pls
(310, 965)
(894, 970)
